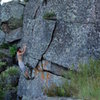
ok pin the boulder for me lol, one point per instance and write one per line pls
(73, 43)
(48, 98)
(98, 11)
(29, 87)
(11, 16)
(2, 37)
(32, 10)
(52, 67)
(36, 87)
(14, 35)
(37, 35)
(72, 36)
(71, 10)
(11, 10)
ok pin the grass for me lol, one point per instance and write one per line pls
(1, 93)
(26, 0)
(12, 71)
(2, 55)
(4, 78)
(13, 50)
(84, 84)
(4, 46)
(2, 64)
(49, 15)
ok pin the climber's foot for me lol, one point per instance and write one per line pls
(26, 75)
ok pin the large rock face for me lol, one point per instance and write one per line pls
(62, 32)
(70, 39)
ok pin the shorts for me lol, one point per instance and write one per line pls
(22, 66)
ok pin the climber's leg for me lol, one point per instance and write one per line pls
(26, 74)
(23, 69)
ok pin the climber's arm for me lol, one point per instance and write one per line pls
(22, 51)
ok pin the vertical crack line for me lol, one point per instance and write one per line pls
(96, 12)
(44, 2)
(48, 45)
(51, 39)
(36, 12)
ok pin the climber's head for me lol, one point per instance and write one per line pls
(19, 49)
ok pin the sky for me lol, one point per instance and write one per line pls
(4, 1)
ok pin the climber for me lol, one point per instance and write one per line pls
(20, 52)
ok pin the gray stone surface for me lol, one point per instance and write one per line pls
(74, 39)
(48, 98)
(2, 37)
(31, 9)
(37, 36)
(72, 10)
(9, 10)
(14, 35)
(30, 87)
(52, 67)
(73, 43)
(35, 87)
(98, 10)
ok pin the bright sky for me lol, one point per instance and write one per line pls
(4, 1)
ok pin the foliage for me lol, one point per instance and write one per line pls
(49, 15)
(12, 71)
(5, 46)
(2, 64)
(26, 0)
(13, 50)
(87, 80)
(2, 55)
(1, 93)
(83, 84)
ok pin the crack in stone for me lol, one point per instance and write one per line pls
(36, 12)
(45, 2)
(40, 60)
(50, 40)
(52, 73)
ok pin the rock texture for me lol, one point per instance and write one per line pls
(73, 36)
(2, 37)
(48, 98)
(11, 20)
(14, 35)
(68, 38)
(11, 10)
(36, 87)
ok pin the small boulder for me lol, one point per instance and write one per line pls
(14, 35)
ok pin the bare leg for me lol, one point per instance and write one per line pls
(26, 74)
